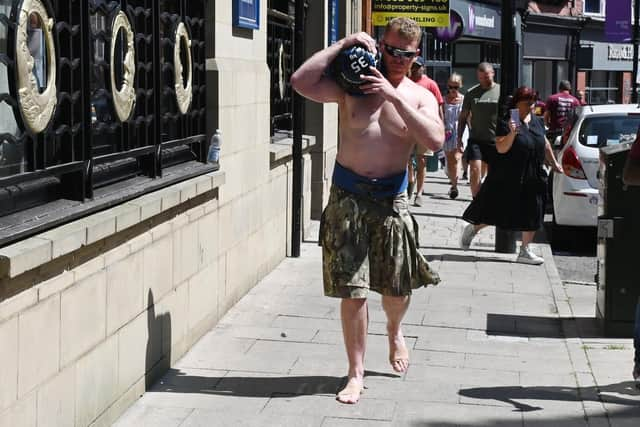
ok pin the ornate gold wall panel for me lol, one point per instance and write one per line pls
(125, 97)
(184, 90)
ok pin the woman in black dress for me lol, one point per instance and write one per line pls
(513, 194)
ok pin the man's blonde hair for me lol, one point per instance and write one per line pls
(456, 78)
(407, 28)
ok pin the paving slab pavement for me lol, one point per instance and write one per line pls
(495, 344)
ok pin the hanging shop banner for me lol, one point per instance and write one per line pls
(427, 13)
(618, 21)
(454, 31)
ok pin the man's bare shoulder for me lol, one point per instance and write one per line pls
(417, 92)
(422, 96)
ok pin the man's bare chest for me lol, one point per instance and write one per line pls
(373, 111)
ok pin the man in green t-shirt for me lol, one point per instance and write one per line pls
(480, 110)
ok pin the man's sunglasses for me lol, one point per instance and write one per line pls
(399, 53)
(454, 87)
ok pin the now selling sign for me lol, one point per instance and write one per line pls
(427, 13)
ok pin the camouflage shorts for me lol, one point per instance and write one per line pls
(371, 244)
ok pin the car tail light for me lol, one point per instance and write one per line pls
(571, 164)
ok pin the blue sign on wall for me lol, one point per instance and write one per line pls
(334, 22)
(246, 14)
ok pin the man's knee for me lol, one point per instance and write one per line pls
(353, 303)
(475, 167)
(395, 302)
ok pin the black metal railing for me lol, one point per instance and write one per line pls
(435, 49)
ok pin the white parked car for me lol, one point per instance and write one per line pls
(575, 192)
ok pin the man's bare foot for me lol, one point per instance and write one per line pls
(351, 392)
(398, 353)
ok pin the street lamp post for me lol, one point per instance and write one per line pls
(298, 124)
(636, 40)
(509, 79)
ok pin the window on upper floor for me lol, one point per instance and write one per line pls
(594, 7)
(94, 95)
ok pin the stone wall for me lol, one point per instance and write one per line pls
(93, 311)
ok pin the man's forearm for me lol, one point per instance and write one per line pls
(462, 123)
(425, 130)
(312, 70)
(548, 153)
(505, 142)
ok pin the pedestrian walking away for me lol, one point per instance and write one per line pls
(417, 75)
(631, 176)
(480, 108)
(514, 193)
(369, 239)
(453, 146)
(558, 108)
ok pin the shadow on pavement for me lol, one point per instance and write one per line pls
(253, 386)
(617, 393)
(542, 327)
(449, 248)
(440, 196)
(158, 349)
(626, 416)
(436, 215)
(465, 258)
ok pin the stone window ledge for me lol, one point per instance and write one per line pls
(281, 147)
(42, 248)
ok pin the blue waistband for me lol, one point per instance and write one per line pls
(373, 187)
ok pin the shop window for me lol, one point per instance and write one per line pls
(467, 56)
(434, 49)
(280, 38)
(115, 93)
(468, 53)
(603, 87)
(594, 7)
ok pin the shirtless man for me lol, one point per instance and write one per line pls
(368, 236)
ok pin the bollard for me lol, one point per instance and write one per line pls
(505, 241)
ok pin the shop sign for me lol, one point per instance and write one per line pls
(427, 13)
(453, 31)
(482, 21)
(620, 52)
(618, 21)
